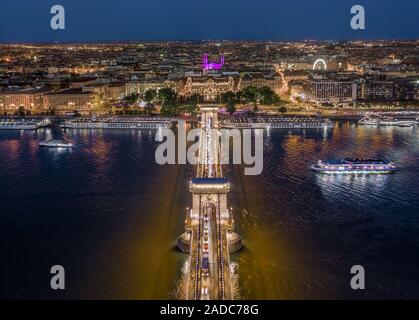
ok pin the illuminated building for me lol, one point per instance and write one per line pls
(141, 87)
(31, 100)
(70, 100)
(376, 90)
(208, 87)
(326, 90)
(389, 90)
(212, 65)
(260, 80)
(116, 91)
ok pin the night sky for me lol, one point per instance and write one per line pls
(96, 20)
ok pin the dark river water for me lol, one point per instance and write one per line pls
(110, 215)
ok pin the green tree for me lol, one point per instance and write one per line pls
(150, 95)
(21, 111)
(267, 96)
(228, 97)
(250, 94)
(132, 98)
(190, 108)
(170, 109)
(231, 106)
(190, 104)
(169, 101)
(167, 96)
(193, 99)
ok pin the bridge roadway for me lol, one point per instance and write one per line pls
(209, 239)
(209, 274)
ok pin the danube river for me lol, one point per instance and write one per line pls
(110, 215)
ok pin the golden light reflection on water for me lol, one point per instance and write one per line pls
(281, 258)
(277, 262)
(10, 149)
(180, 290)
(263, 268)
(293, 243)
(357, 184)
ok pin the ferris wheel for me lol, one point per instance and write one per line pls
(320, 64)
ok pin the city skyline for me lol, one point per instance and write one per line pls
(235, 20)
(110, 77)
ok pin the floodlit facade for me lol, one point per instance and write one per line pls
(31, 100)
(331, 90)
(71, 100)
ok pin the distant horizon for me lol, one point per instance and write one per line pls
(202, 41)
(234, 20)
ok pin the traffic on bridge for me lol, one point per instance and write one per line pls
(209, 236)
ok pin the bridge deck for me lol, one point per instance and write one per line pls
(209, 276)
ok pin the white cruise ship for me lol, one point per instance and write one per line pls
(354, 165)
(281, 123)
(118, 123)
(19, 124)
(377, 120)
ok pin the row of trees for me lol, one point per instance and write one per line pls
(253, 95)
(172, 103)
(22, 112)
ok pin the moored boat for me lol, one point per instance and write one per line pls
(118, 123)
(280, 123)
(22, 124)
(370, 120)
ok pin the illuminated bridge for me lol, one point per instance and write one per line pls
(209, 238)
